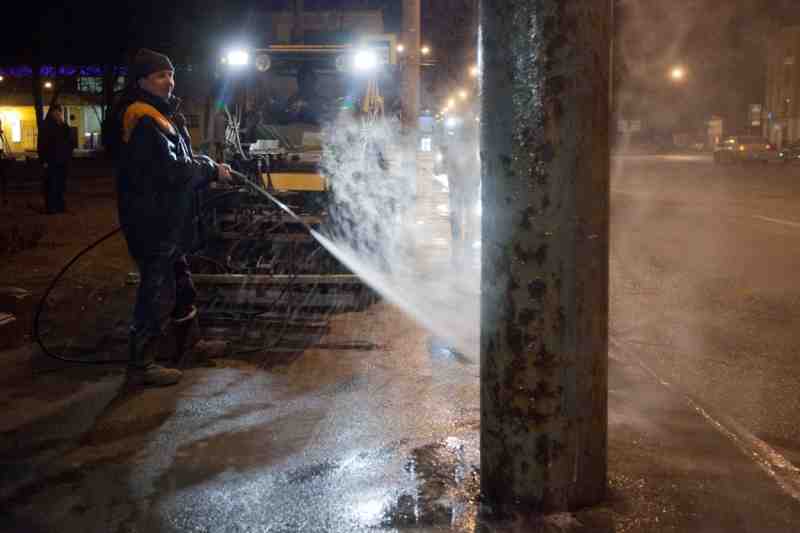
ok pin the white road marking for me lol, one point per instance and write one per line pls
(776, 466)
(779, 221)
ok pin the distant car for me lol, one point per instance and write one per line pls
(745, 148)
(790, 153)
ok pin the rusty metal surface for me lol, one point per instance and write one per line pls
(545, 252)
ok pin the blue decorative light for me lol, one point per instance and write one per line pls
(51, 71)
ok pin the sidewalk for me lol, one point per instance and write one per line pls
(343, 440)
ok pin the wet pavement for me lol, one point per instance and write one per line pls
(333, 441)
(705, 288)
(387, 441)
(341, 440)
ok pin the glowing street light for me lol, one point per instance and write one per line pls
(451, 102)
(48, 85)
(401, 48)
(1, 78)
(365, 60)
(425, 50)
(238, 58)
(462, 94)
(677, 74)
(473, 71)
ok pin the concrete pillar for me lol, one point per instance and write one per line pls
(411, 39)
(411, 69)
(544, 302)
(298, 22)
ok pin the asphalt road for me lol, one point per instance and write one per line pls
(705, 285)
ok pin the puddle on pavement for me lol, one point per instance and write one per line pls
(447, 489)
(308, 473)
(439, 349)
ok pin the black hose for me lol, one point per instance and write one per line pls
(50, 287)
(36, 332)
(40, 306)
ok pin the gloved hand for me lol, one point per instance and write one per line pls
(224, 174)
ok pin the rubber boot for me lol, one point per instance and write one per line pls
(142, 370)
(185, 331)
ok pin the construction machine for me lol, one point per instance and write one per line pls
(257, 262)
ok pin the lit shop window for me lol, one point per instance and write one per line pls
(11, 123)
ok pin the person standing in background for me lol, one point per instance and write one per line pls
(5, 153)
(462, 164)
(55, 148)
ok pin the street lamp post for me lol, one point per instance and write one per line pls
(411, 65)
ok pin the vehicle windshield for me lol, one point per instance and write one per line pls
(295, 98)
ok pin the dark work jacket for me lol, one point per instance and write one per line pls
(55, 143)
(158, 176)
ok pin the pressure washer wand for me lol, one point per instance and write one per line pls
(263, 192)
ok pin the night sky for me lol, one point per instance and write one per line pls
(94, 31)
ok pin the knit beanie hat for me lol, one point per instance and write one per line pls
(147, 62)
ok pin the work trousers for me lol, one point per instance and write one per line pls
(168, 268)
(54, 188)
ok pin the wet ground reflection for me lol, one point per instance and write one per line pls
(446, 494)
(446, 497)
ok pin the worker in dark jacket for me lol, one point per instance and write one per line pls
(157, 180)
(55, 146)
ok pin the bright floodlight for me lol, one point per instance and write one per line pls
(401, 48)
(238, 58)
(677, 73)
(473, 71)
(425, 50)
(451, 122)
(365, 60)
(48, 85)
